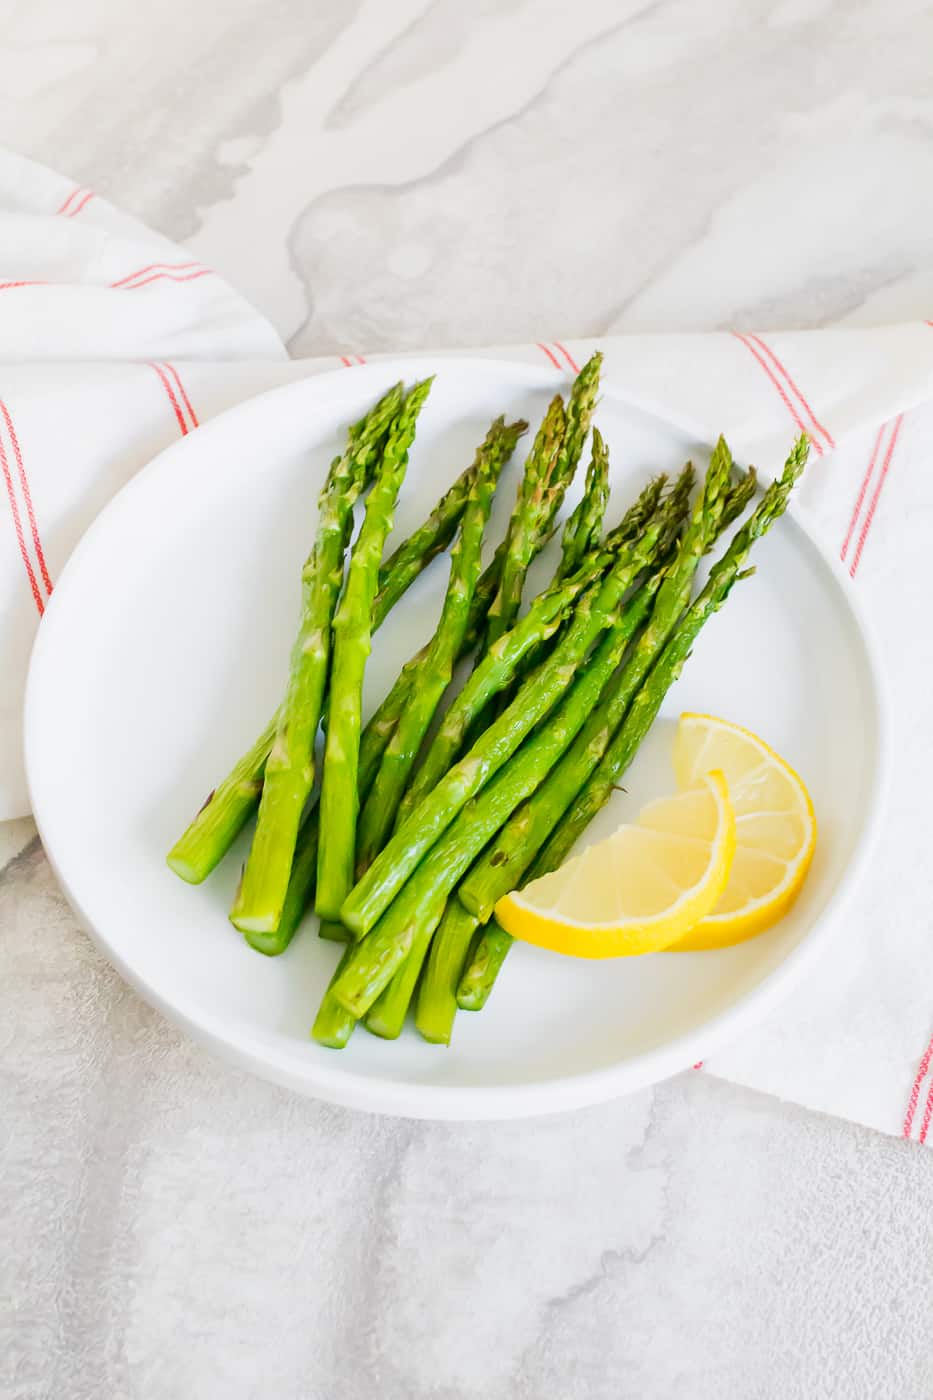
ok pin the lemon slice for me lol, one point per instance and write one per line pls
(640, 889)
(775, 829)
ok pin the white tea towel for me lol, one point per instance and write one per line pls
(115, 343)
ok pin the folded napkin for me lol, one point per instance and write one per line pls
(114, 343)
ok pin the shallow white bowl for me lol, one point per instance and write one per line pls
(163, 653)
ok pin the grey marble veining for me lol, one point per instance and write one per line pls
(405, 174)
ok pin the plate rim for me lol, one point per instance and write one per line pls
(447, 1102)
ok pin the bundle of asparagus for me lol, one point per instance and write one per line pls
(413, 839)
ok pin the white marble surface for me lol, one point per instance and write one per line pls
(397, 173)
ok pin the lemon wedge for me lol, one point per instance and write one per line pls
(775, 828)
(640, 889)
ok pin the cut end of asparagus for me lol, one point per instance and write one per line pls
(384, 1029)
(435, 1034)
(184, 869)
(332, 1026)
(270, 944)
(251, 924)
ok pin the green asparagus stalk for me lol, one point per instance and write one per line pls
(500, 869)
(493, 945)
(584, 527)
(437, 997)
(406, 927)
(484, 965)
(381, 805)
(272, 942)
(594, 612)
(540, 492)
(352, 645)
(333, 1024)
(208, 838)
(289, 773)
(222, 816)
(386, 1016)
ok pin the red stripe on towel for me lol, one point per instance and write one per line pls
(167, 386)
(169, 277)
(27, 497)
(181, 389)
(856, 510)
(782, 369)
(154, 267)
(753, 349)
(18, 529)
(550, 354)
(927, 1114)
(567, 356)
(915, 1091)
(76, 191)
(885, 466)
(78, 207)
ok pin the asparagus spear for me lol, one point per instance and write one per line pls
(539, 494)
(381, 805)
(437, 998)
(289, 773)
(386, 1016)
(222, 817)
(493, 946)
(584, 527)
(500, 869)
(333, 1024)
(352, 645)
(208, 838)
(482, 969)
(405, 929)
(594, 613)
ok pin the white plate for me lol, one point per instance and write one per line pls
(163, 653)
